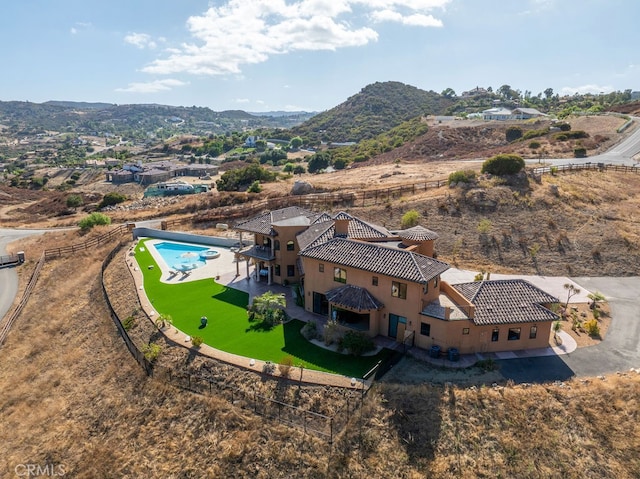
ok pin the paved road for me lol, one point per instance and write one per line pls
(621, 154)
(9, 276)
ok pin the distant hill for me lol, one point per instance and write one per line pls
(375, 109)
(80, 105)
(23, 118)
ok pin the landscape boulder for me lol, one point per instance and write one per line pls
(302, 188)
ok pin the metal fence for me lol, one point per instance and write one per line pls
(585, 167)
(323, 426)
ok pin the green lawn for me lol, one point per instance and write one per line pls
(229, 328)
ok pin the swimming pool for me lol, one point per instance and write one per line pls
(180, 256)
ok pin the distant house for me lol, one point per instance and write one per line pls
(497, 113)
(157, 171)
(526, 113)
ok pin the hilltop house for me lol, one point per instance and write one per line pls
(499, 113)
(370, 279)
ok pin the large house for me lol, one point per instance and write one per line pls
(370, 279)
(499, 113)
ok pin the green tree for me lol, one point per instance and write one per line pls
(319, 161)
(513, 133)
(548, 93)
(299, 170)
(571, 292)
(448, 93)
(270, 306)
(255, 187)
(410, 219)
(296, 142)
(112, 199)
(288, 168)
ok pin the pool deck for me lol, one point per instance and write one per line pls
(224, 267)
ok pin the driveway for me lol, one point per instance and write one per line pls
(619, 351)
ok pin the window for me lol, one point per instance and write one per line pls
(514, 334)
(425, 329)
(277, 272)
(276, 245)
(465, 330)
(291, 270)
(340, 275)
(290, 246)
(495, 335)
(374, 281)
(399, 290)
(435, 282)
(533, 333)
(321, 267)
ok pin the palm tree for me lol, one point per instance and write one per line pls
(267, 303)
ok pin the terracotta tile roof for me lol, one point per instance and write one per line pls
(354, 298)
(377, 258)
(507, 301)
(317, 233)
(262, 223)
(418, 233)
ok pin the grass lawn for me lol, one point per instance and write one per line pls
(229, 328)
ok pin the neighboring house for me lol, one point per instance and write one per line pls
(148, 173)
(503, 114)
(526, 113)
(384, 283)
(497, 113)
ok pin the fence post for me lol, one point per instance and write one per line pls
(331, 431)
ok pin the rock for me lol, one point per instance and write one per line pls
(302, 188)
(554, 190)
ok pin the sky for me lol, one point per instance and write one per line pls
(311, 55)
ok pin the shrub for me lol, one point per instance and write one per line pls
(462, 176)
(561, 137)
(410, 219)
(484, 226)
(151, 351)
(593, 328)
(504, 164)
(534, 145)
(92, 220)
(129, 323)
(331, 332)
(255, 187)
(268, 368)
(196, 341)
(310, 330)
(513, 133)
(285, 365)
(487, 364)
(580, 152)
(564, 126)
(73, 201)
(357, 343)
(111, 199)
(534, 134)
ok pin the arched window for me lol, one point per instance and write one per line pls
(290, 246)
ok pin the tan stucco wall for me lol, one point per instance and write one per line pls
(448, 334)
(321, 282)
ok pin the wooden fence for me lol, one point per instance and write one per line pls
(585, 167)
(90, 243)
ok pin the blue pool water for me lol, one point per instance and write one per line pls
(183, 257)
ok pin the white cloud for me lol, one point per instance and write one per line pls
(80, 26)
(417, 19)
(140, 40)
(242, 100)
(581, 90)
(242, 32)
(152, 86)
